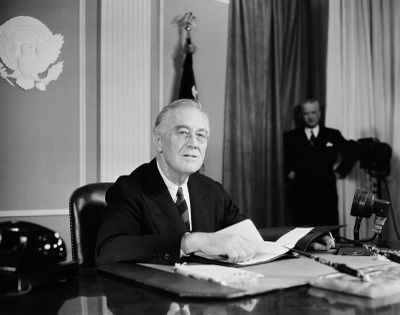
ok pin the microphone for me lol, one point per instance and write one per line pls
(364, 204)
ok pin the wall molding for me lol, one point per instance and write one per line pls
(161, 57)
(33, 213)
(82, 126)
(125, 71)
(82, 92)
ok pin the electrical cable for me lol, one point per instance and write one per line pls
(392, 255)
(358, 242)
(391, 209)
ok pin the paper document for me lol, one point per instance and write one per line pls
(266, 250)
(228, 276)
(290, 238)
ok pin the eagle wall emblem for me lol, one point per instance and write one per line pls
(27, 50)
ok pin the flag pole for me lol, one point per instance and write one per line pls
(189, 24)
(188, 84)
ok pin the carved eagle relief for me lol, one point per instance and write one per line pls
(28, 48)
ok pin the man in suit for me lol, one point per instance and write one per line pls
(315, 156)
(145, 220)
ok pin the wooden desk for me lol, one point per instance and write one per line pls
(92, 293)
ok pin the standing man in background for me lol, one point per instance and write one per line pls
(315, 156)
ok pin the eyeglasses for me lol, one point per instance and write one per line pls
(185, 135)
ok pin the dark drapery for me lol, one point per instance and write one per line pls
(268, 73)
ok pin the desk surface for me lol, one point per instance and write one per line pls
(92, 293)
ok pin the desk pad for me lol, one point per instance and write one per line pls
(173, 283)
(281, 274)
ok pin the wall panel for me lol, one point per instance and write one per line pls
(125, 86)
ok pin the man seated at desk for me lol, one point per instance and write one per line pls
(165, 209)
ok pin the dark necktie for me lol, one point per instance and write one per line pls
(312, 138)
(182, 207)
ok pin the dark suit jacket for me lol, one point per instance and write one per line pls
(142, 222)
(314, 195)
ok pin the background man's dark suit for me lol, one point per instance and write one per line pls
(313, 196)
(142, 220)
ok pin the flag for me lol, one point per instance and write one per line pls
(188, 83)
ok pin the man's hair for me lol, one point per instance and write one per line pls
(185, 102)
(311, 100)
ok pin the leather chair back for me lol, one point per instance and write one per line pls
(86, 207)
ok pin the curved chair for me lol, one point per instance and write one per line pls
(86, 208)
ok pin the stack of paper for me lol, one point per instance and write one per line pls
(267, 250)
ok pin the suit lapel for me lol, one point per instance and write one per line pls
(321, 139)
(303, 137)
(200, 206)
(160, 205)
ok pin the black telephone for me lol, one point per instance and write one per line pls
(31, 254)
(27, 246)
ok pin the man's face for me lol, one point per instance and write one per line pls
(311, 114)
(181, 143)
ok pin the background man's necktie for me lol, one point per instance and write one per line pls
(312, 138)
(182, 207)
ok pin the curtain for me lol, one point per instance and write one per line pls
(267, 75)
(363, 92)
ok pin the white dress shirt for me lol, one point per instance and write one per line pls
(173, 189)
(314, 130)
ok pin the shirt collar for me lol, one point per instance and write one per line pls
(172, 188)
(315, 131)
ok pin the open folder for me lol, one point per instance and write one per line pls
(267, 250)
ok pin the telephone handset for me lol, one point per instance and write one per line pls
(26, 246)
(31, 255)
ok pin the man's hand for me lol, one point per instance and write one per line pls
(235, 247)
(326, 242)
